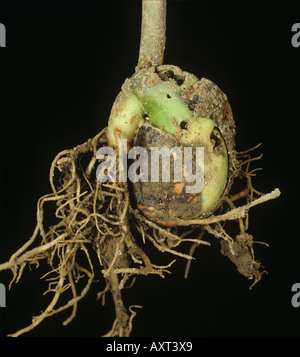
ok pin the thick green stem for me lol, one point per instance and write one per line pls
(153, 33)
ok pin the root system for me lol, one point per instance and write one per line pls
(100, 218)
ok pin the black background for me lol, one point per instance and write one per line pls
(63, 66)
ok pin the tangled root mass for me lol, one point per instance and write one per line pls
(97, 217)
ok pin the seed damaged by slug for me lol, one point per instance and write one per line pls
(175, 105)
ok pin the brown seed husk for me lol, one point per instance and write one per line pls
(163, 202)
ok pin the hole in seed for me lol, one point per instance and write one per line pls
(179, 80)
(168, 96)
(166, 75)
(184, 125)
(215, 138)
